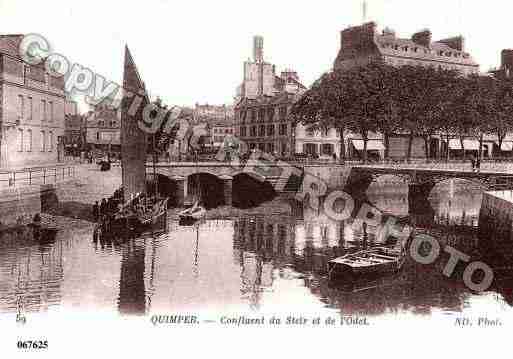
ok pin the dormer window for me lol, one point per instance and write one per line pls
(396, 47)
(415, 49)
(405, 48)
(441, 53)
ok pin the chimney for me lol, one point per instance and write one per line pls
(455, 43)
(258, 49)
(389, 33)
(422, 38)
(358, 36)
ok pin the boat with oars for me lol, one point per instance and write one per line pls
(368, 262)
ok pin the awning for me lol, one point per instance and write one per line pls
(507, 146)
(470, 145)
(372, 145)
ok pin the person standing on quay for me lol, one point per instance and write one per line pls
(473, 162)
(96, 211)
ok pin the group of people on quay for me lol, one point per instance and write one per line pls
(104, 211)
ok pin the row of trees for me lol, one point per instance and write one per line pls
(412, 100)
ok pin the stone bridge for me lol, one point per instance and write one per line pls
(362, 176)
(422, 180)
(180, 179)
(221, 177)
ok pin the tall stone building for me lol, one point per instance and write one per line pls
(259, 76)
(363, 44)
(31, 110)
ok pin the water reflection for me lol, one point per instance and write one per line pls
(264, 263)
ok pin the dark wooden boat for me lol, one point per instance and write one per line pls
(374, 261)
(132, 221)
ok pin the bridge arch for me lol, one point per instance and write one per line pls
(206, 186)
(249, 191)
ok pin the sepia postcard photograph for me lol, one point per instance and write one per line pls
(256, 178)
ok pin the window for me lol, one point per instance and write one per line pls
(310, 148)
(324, 132)
(50, 110)
(50, 141)
(20, 107)
(261, 130)
(283, 148)
(270, 130)
(270, 113)
(261, 115)
(97, 136)
(243, 131)
(28, 141)
(253, 131)
(327, 149)
(29, 108)
(283, 129)
(20, 140)
(43, 110)
(43, 141)
(253, 116)
(309, 132)
(283, 113)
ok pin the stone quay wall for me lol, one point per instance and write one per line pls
(19, 205)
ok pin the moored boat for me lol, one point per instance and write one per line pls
(373, 261)
(192, 214)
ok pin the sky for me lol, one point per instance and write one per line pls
(192, 51)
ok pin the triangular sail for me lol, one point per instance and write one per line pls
(133, 139)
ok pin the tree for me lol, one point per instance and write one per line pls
(503, 121)
(321, 107)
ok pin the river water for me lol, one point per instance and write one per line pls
(260, 264)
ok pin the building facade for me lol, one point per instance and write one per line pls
(361, 45)
(264, 123)
(74, 134)
(317, 143)
(103, 129)
(220, 131)
(264, 101)
(32, 106)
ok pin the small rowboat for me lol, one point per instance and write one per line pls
(378, 260)
(193, 213)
